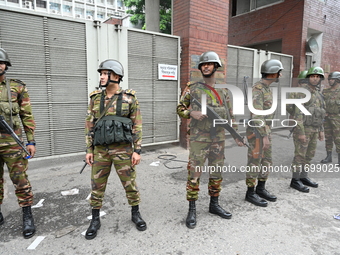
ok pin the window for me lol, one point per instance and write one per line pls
(244, 6)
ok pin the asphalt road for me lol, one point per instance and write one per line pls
(297, 223)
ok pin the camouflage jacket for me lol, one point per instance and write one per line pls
(130, 109)
(21, 110)
(262, 97)
(332, 99)
(202, 130)
(314, 106)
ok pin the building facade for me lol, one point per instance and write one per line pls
(306, 29)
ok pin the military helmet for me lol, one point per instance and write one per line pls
(334, 75)
(4, 58)
(315, 70)
(209, 57)
(271, 66)
(112, 65)
(303, 74)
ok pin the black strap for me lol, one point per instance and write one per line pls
(119, 105)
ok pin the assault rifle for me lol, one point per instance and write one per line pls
(291, 132)
(4, 125)
(214, 116)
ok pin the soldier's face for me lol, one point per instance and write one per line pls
(314, 79)
(2, 67)
(207, 68)
(331, 82)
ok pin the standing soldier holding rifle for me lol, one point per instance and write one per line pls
(258, 134)
(206, 141)
(15, 107)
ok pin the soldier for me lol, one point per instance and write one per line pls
(206, 142)
(332, 119)
(309, 128)
(17, 109)
(110, 133)
(259, 136)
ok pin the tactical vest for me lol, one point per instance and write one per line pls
(9, 109)
(318, 112)
(112, 128)
(332, 101)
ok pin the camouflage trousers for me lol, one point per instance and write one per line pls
(120, 156)
(258, 168)
(12, 155)
(332, 133)
(199, 152)
(304, 151)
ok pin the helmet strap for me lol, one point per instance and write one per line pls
(209, 75)
(3, 72)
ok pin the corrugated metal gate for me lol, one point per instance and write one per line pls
(243, 70)
(49, 55)
(58, 58)
(158, 98)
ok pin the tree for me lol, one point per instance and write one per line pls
(138, 14)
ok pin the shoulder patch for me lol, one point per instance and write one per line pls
(95, 93)
(130, 92)
(18, 81)
(258, 86)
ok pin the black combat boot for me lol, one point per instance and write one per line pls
(218, 210)
(28, 223)
(94, 225)
(137, 218)
(191, 218)
(306, 181)
(262, 192)
(298, 185)
(328, 158)
(1, 217)
(255, 199)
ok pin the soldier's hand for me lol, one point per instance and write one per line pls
(266, 143)
(198, 115)
(89, 158)
(239, 143)
(302, 138)
(135, 159)
(31, 149)
(321, 136)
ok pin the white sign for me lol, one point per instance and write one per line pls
(167, 72)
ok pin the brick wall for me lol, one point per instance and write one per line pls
(282, 21)
(324, 16)
(202, 26)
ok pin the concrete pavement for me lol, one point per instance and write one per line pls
(297, 223)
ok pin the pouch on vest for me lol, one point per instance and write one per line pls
(113, 129)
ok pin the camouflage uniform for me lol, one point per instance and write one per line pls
(10, 152)
(305, 151)
(206, 142)
(262, 100)
(332, 120)
(117, 153)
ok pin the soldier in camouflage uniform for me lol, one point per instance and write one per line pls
(332, 119)
(206, 142)
(259, 136)
(121, 154)
(309, 128)
(17, 109)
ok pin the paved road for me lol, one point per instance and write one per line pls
(297, 223)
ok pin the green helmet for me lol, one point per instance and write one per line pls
(303, 74)
(209, 57)
(271, 66)
(316, 70)
(335, 76)
(4, 58)
(112, 65)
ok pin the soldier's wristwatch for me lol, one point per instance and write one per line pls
(31, 143)
(138, 151)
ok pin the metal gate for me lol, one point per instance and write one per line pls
(158, 98)
(243, 70)
(49, 55)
